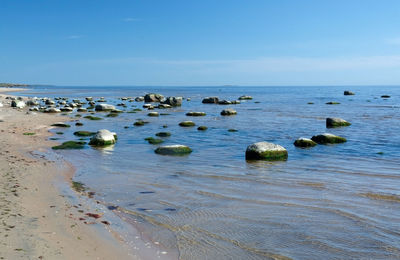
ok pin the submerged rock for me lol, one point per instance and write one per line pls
(228, 112)
(104, 107)
(163, 134)
(70, 145)
(328, 139)
(152, 140)
(84, 133)
(153, 114)
(202, 128)
(210, 100)
(103, 137)
(173, 150)
(336, 122)
(60, 125)
(266, 151)
(304, 142)
(191, 113)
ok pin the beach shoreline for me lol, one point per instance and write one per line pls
(39, 222)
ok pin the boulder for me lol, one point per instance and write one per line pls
(348, 93)
(266, 151)
(244, 97)
(210, 100)
(304, 142)
(191, 113)
(52, 110)
(66, 109)
(104, 107)
(173, 101)
(328, 139)
(153, 114)
(224, 102)
(163, 106)
(32, 102)
(82, 109)
(152, 97)
(228, 112)
(49, 102)
(202, 128)
(336, 122)
(17, 104)
(187, 123)
(139, 99)
(103, 137)
(176, 149)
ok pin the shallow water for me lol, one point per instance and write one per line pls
(327, 202)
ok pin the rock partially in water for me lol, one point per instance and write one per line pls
(187, 123)
(210, 100)
(163, 134)
(60, 125)
(173, 101)
(202, 128)
(104, 107)
(191, 113)
(332, 103)
(336, 122)
(173, 150)
(304, 142)
(328, 139)
(66, 109)
(52, 110)
(153, 114)
(266, 151)
(103, 137)
(244, 97)
(153, 140)
(228, 112)
(152, 97)
(348, 93)
(385, 96)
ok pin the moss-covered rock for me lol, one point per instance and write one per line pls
(328, 139)
(266, 151)
(84, 133)
(202, 128)
(163, 134)
(93, 118)
(112, 114)
(153, 114)
(153, 140)
(304, 143)
(29, 133)
(60, 125)
(187, 124)
(69, 145)
(244, 97)
(336, 122)
(173, 150)
(191, 113)
(140, 123)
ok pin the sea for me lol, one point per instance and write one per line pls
(337, 201)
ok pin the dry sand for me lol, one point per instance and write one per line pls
(36, 221)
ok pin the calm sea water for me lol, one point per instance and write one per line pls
(328, 202)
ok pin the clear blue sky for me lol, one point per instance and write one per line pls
(200, 42)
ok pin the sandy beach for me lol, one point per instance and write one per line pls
(37, 221)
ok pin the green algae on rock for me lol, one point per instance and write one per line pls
(328, 139)
(153, 140)
(187, 123)
(266, 151)
(103, 137)
(93, 118)
(69, 145)
(336, 122)
(191, 113)
(60, 125)
(202, 128)
(84, 133)
(163, 134)
(176, 149)
(304, 143)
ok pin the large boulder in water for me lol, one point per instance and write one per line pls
(18, 104)
(152, 97)
(103, 137)
(173, 101)
(336, 122)
(348, 93)
(210, 100)
(176, 149)
(104, 107)
(266, 151)
(328, 139)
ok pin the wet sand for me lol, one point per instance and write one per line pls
(36, 220)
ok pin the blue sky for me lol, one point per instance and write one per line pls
(193, 42)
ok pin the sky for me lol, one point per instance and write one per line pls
(200, 42)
